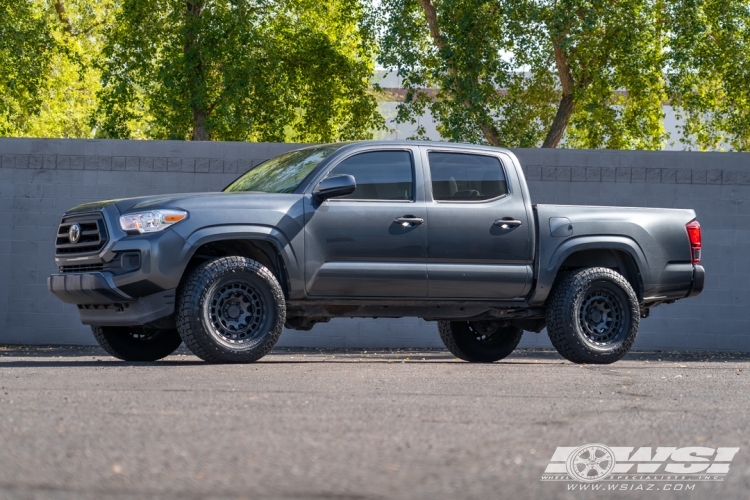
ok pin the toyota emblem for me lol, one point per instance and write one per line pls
(74, 233)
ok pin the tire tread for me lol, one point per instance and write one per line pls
(560, 323)
(190, 299)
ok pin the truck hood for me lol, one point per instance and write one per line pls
(192, 201)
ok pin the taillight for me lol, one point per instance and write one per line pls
(694, 235)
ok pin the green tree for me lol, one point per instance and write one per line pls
(258, 70)
(709, 72)
(590, 72)
(48, 74)
(26, 49)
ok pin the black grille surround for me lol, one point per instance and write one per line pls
(85, 268)
(123, 262)
(93, 234)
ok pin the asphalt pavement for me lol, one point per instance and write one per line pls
(360, 424)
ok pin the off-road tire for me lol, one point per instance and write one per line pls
(202, 320)
(135, 343)
(464, 339)
(569, 318)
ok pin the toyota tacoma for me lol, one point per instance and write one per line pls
(440, 231)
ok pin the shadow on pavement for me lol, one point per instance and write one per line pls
(57, 356)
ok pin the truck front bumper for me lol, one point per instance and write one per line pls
(86, 288)
(101, 303)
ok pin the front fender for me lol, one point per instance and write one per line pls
(248, 232)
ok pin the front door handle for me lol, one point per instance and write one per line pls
(408, 220)
(507, 222)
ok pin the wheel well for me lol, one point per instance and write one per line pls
(617, 260)
(258, 250)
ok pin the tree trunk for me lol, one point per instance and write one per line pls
(560, 123)
(491, 134)
(199, 125)
(60, 9)
(194, 70)
(567, 103)
(489, 131)
(431, 15)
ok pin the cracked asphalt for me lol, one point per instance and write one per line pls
(358, 424)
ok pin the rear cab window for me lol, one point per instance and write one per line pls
(466, 177)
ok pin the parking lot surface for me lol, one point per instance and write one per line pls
(75, 423)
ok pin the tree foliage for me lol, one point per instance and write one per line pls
(591, 73)
(578, 73)
(26, 48)
(709, 72)
(260, 70)
(48, 74)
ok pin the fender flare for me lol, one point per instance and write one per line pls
(248, 232)
(548, 272)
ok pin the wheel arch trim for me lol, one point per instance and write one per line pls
(248, 232)
(548, 272)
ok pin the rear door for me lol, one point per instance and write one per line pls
(372, 242)
(480, 239)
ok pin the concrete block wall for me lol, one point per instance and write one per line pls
(40, 179)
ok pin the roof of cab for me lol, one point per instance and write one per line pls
(440, 144)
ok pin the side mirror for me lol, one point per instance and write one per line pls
(331, 187)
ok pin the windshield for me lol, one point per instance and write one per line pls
(284, 173)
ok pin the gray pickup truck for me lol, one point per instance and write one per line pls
(441, 231)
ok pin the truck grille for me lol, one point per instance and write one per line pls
(85, 268)
(123, 262)
(93, 234)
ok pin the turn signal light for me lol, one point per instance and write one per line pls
(694, 235)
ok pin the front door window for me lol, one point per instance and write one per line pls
(380, 175)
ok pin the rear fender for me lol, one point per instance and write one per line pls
(548, 270)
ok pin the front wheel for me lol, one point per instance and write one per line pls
(479, 341)
(231, 310)
(137, 343)
(593, 316)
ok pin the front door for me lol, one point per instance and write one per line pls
(480, 238)
(370, 243)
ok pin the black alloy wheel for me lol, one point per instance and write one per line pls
(231, 310)
(137, 343)
(601, 317)
(593, 316)
(479, 341)
(236, 311)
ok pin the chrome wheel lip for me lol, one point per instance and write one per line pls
(236, 312)
(601, 317)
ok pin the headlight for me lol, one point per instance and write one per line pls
(152, 221)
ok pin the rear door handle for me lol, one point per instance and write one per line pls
(408, 220)
(507, 222)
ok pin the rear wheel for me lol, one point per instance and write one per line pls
(593, 316)
(479, 341)
(231, 310)
(137, 343)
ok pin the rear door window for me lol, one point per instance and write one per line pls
(466, 177)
